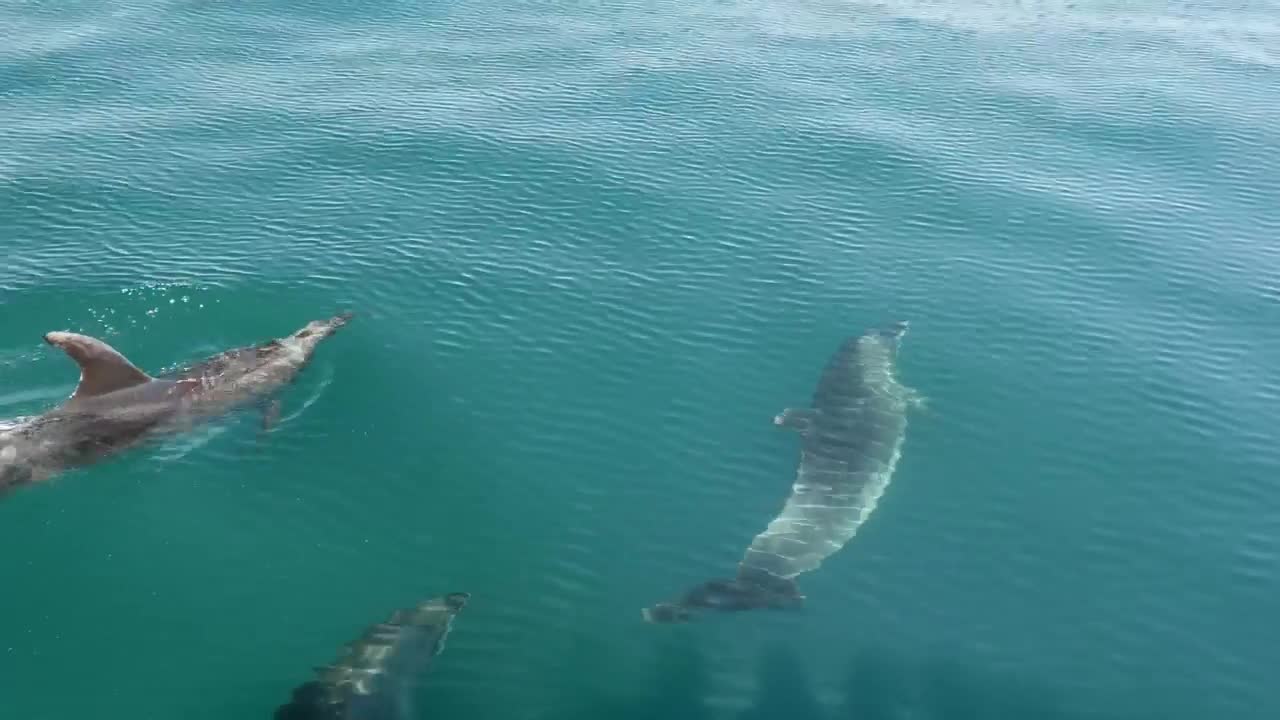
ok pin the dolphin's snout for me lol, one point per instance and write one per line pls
(331, 325)
(665, 613)
(893, 330)
(324, 328)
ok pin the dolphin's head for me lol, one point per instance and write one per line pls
(666, 613)
(875, 352)
(456, 601)
(895, 329)
(887, 338)
(313, 332)
(440, 610)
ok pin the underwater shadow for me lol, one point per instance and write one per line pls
(876, 686)
(881, 687)
(681, 682)
(784, 689)
(678, 691)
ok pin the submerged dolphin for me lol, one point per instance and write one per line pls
(115, 406)
(852, 438)
(376, 675)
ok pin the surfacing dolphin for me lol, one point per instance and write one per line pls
(116, 406)
(851, 440)
(376, 675)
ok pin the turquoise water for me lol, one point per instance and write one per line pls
(593, 249)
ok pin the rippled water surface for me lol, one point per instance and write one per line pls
(594, 248)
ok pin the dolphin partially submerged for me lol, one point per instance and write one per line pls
(375, 676)
(116, 405)
(852, 438)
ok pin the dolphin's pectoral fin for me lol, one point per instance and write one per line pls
(102, 368)
(917, 400)
(799, 419)
(270, 415)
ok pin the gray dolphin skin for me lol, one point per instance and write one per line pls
(116, 405)
(852, 438)
(375, 676)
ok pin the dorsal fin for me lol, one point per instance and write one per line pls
(102, 368)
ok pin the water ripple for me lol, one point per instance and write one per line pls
(594, 250)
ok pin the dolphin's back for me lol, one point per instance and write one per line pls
(34, 448)
(852, 438)
(376, 675)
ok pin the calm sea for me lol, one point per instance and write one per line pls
(594, 248)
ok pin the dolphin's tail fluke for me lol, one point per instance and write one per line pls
(748, 591)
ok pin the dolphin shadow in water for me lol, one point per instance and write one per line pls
(784, 689)
(877, 686)
(851, 439)
(880, 686)
(116, 406)
(680, 684)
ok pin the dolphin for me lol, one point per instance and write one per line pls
(116, 405)
(851, 439)
(376, 675)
